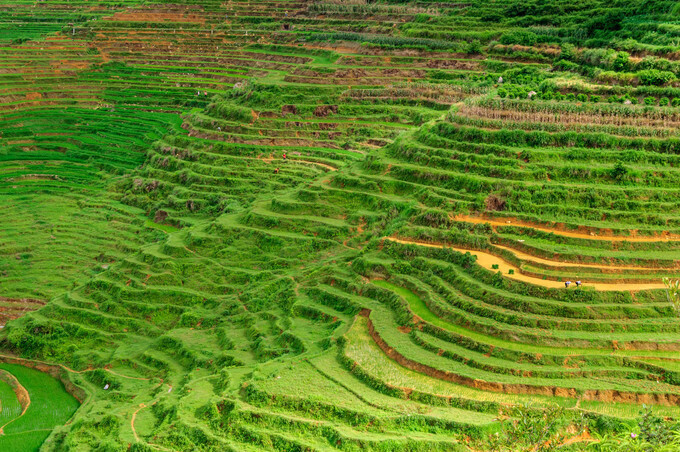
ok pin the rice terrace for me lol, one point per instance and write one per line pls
(340, 225)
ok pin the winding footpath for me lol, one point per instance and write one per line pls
(489, 261)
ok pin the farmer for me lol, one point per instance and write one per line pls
(276, 171)
(284, 156)
(566, 284)
(578, 283)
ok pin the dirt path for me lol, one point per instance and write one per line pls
(529, 258)
(134, 417)
(323, 165)
(557, 231)
(583, 437)
(132, 421)
(488, 260)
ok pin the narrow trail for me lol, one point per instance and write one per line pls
(530, 258)
(488, 260)
(323, 165)
(141, 406)
(132, 421)
(575, 234)
(583, 437)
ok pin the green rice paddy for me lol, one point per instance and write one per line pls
(242, 226)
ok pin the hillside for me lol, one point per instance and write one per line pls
(341, 225)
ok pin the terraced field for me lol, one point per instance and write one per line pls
(322, 225)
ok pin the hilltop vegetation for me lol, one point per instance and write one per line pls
(325, 225)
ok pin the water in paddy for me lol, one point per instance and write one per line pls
(48, 406)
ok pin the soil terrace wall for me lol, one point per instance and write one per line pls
(513, 388)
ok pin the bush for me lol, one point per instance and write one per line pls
(621, 62)
(650, 100)
(664, 101)
(230, 112)
(521, 37)
(567, 51)
(655, 77)
(619, 172)
(655, 429)
(474, 47)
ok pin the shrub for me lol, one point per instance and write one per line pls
(495, 203)
(230, 112)
(567, 51)
(474, 47)
(655, 429)
(655, 77)
(619, 172)
(522, 37)
(621, 62)
(565, 65)
(664, 101)
(650, 100)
